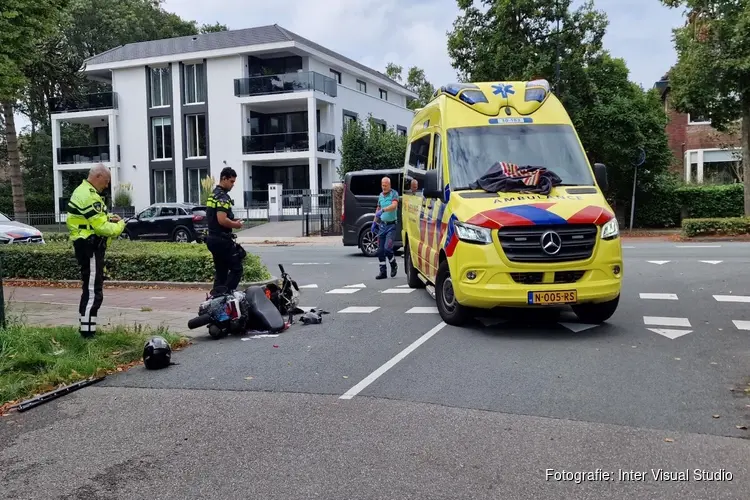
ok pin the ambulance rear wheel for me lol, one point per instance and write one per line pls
(595, 314)
(412, 277)
(450, 310)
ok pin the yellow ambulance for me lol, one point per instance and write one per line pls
(481, 229)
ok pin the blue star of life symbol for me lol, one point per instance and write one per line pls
(503, 90)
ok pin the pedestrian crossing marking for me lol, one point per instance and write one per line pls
(359, 285)
(399, 290)
(344, 290)
(741, 325)
(423, 310)
(359, 309)
(309, 286)
(732, 298)
(659, 296)
(658, 262)
(666, 321)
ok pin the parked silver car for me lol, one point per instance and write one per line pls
(18, 232)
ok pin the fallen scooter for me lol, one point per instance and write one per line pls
(259, 307)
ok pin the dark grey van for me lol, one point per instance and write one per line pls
(361, 191)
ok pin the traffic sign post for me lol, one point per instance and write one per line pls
(641, 161)
(2, 297)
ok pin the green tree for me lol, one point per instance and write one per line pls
(367, 146)
(24, 26)
(416, 81)
(712, 74)
(518, 40)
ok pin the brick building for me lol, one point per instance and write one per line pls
(702, 154)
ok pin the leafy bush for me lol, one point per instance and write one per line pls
(731, 226)
(125, 261)
(712, 201)
(656, 205)
(35, 203)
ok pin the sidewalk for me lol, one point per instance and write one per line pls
(145, 308)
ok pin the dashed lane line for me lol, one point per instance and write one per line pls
(659, 296)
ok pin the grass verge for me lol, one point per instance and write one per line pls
(37, 359)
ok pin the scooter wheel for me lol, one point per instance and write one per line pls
(216, 332)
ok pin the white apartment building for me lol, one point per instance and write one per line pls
(264, 101)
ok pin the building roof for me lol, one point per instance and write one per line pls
(221, 40)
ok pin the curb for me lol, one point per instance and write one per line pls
(197, 285)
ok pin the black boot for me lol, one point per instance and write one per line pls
(383, 275)
(394, 267)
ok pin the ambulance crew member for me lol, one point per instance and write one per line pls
(387, 211)
(91, 229)
(227, 254)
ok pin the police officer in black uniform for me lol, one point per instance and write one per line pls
(227, 254)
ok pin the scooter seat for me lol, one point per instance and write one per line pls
(262, 310)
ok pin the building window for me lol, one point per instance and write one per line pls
(362, 86)
(161, 138)
(383, 94)
(194, 178)
(195, 135)
(336, 76)
(349, 117)
(164, 186)
(695, 118)
(161, 87)
(401, 130)
(195, 88)
(379, 124)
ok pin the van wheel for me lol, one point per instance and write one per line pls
(368, 243)
(594, 314)
(450, 310)
(412, 277)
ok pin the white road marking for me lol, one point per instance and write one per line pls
(46, 294)
(741, 325)
(698, 246)
(732, 298)
(670, 333)
(665, 321)
(577, 327)
(309, 286)
(359, 309)
(659, 296)
(628, 247)
(398, 290)
(158, 298)
(423, 310)
(344, 290)
(360, 285)
(391, 362)
(403, 286)
(712, 261)
(310, 263)
(659, 262)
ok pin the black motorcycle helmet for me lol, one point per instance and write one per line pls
(157, 353)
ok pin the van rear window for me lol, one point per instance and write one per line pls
(369, 185)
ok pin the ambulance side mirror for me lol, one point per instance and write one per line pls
(432, 188)
(600, 172)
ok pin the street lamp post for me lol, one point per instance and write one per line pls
(2, 296)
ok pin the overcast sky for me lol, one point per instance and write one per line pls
(413, 32)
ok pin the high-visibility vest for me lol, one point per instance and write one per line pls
(87, 215)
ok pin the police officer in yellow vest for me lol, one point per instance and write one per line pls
(91, 228)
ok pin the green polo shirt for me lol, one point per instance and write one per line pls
(384, 201)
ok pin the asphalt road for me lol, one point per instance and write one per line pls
(383, 400)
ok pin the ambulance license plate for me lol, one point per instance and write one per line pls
(550, 298)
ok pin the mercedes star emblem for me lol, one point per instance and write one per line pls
(551, 242)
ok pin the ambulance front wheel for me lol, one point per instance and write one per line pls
(595, 314)
(450, 310)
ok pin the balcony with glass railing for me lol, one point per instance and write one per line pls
(290, 82)
(84, 154)
(86, 102)
(290, 142)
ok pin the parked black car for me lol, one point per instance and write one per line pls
(180, 222)
(361, 191)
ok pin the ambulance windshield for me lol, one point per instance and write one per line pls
(473, 150)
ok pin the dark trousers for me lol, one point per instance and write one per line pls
(90, 256)
(385, 243)
(228, 257)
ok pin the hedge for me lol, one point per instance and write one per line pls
(125, 261)
(731, 226)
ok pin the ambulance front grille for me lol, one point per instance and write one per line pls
(524, 243)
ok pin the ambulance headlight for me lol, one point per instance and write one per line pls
(473, 234)
(610, 230)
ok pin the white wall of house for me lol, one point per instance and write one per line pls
(132, 132)
(225, 118)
